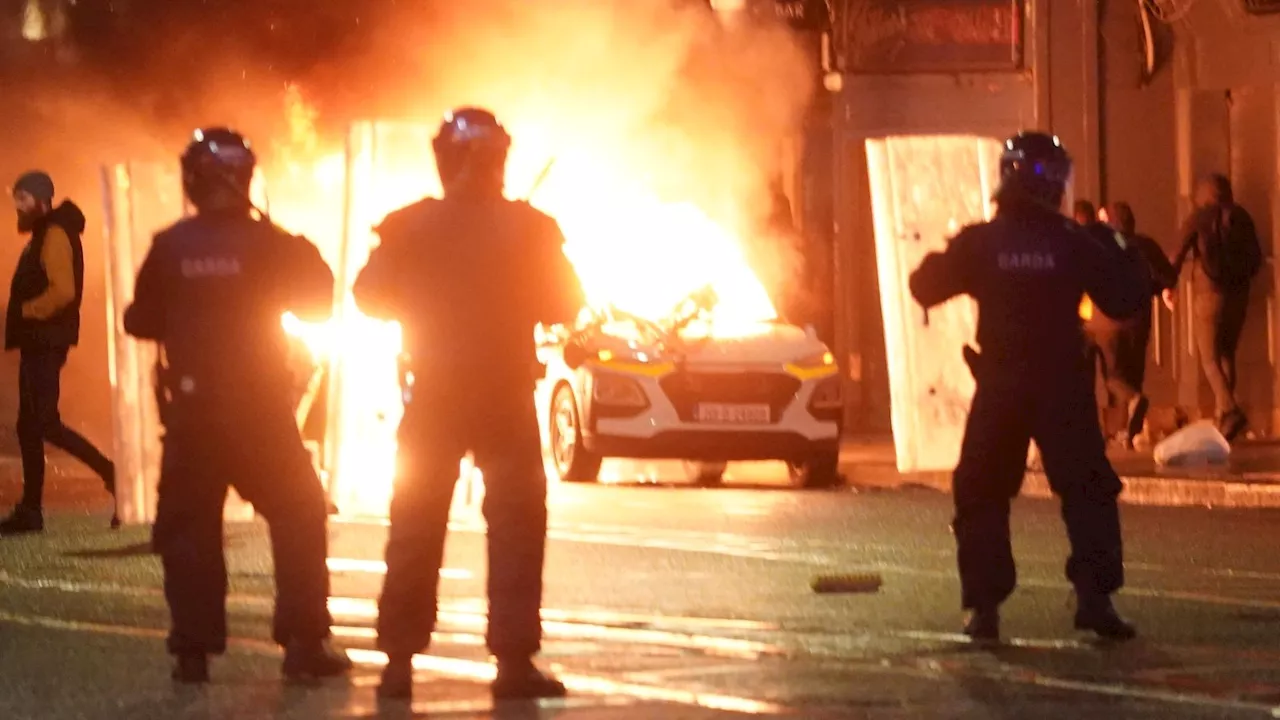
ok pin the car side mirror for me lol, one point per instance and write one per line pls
(575, 355)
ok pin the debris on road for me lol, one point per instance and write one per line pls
(847, 583)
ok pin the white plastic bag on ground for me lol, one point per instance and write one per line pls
(1196, 444)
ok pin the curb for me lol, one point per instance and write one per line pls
(1148, 491)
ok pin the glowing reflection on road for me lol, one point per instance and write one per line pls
(484, 671)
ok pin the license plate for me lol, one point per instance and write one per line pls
(732, 414)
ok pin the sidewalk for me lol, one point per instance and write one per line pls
(1251, 480)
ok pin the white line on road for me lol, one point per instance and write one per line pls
(379, 567)
(725, 647)
(453, 667)
(594, 684)
(470, 669)
(1165, 696)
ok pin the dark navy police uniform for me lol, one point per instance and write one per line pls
(211, 292)
(1027, 269)
(468, 279)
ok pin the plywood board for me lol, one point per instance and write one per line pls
(924, 190)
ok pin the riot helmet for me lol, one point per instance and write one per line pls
(471, 152)
(217, 170)
(1034, 166)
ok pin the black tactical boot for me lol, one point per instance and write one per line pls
(192, 668)
(522, 680)
(313, 660)
(23, 520)
(1096, 614)
(397, 678)
(983, 625)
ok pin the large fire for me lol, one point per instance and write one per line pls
(635, 245)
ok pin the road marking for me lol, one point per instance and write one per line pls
(439, 636)
(1149, 593)
(456, 605)
(56, 624)
(1024, 677)
(658, 676)
(594, 684)
(452, 667)
(482, 671)
(379, 567)
(1211, 572)
(720, 646)
(962, 639)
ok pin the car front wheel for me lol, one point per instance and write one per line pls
(573, 462)
(819, 471)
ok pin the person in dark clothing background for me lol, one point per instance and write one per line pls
(1027, 269)
(43, 324)
(1084, 213)
(469, 277)
(781, 246)
(1122, 343)
(211, 292)
(1222, 244)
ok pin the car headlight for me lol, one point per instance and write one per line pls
(813, 366)
(618, 391)
(816, 361)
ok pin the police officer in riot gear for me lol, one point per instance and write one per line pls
(469, 277)
(1027, 270)
(211, 293)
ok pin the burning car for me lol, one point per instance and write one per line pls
(618, 385)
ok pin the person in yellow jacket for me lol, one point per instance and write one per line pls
(43, 324)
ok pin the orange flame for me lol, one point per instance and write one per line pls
(631, 248)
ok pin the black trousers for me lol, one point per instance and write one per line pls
(260, 454)
(1058, 411)
(39, 387)
(1219, 320)
(1122, 349)
(502, 432)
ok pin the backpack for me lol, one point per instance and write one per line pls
(1229, 249)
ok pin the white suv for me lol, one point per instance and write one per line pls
(684, 390)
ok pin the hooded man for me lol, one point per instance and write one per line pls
(1221, 244)
(43, 324)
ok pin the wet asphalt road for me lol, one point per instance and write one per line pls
(674, 602)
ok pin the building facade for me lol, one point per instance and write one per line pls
(1205, 101)
(1147, 95)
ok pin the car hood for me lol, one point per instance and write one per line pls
(769, 343)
